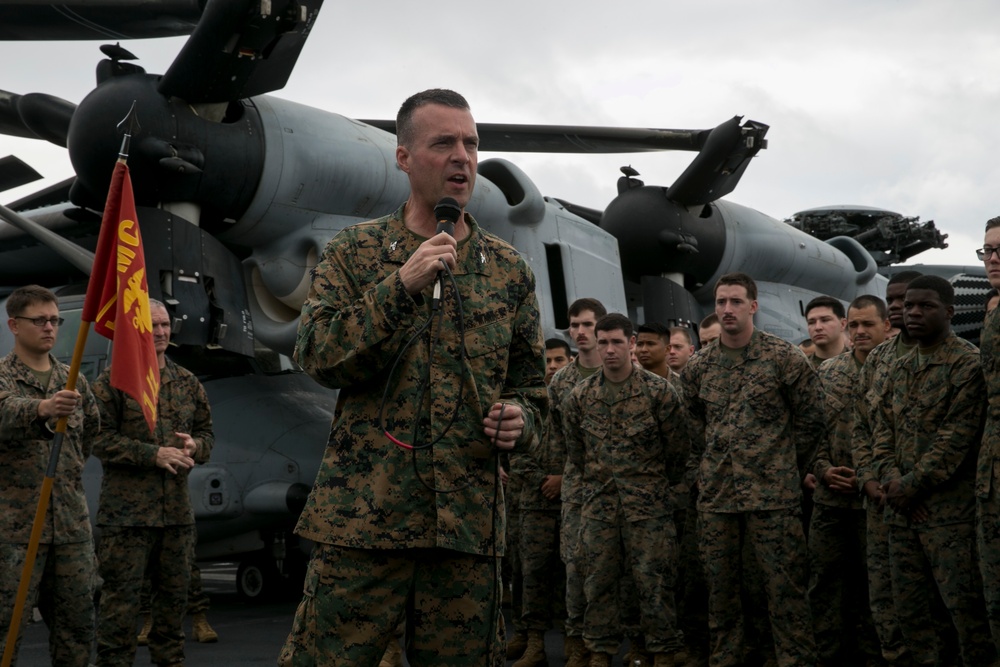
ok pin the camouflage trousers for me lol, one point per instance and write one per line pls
(63, 579)
(126, 555)
(838, 585)
(571, 550)
(777, 539)
(880, 598)
(353, 600)
(934, 565)
(692, 601)
(988, 540)
(647, 549)
(544, 576)
(510, 562)
(198, 602)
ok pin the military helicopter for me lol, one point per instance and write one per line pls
(239, 191)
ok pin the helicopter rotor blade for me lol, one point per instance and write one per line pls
(510, 137)
(237, 50)
(15, 172)
(80, 258)
(717, 169)
(35, 116)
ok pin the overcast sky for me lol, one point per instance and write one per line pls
(881, 103)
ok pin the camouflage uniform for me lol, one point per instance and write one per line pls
(64, 572)
(871, 381)
(570, 547)
(987, 484)
(928, 427)
(145, 514)
(198, 601)
(758, 422)
(375, 502)
(838, 574)
(544, 575)
(630, 440)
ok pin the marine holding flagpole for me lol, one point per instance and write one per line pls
(62, 568)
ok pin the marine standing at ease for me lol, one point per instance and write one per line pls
(757, 411)
(988, 468)
(416, 533)
(145, 512)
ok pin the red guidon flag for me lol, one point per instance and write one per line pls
(117, 299)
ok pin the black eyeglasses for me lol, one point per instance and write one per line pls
(42, 321)
(986, 252)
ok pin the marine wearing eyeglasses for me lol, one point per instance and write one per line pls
(41, 321)
(987, 497)
(32, 398)
(986, 252)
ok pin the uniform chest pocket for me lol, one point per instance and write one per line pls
(597, 428)
(640, 428)
(764, 401)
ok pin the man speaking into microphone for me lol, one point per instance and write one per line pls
(406, 512)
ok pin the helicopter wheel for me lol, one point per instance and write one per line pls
(258, 579)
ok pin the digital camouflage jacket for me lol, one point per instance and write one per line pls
(839, 376)
(357, 322)
(630, 441)
(928, 427)
(25, 447)
(134, 491)
(757, 424)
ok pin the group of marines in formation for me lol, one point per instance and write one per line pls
(849, 491)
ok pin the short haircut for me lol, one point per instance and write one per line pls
(866, 300)
(28, 295)
(903, 277)
(404, 119)
(827, 302)
(992, 294)
(684, 331)
(587, 303)
(944, 289)
(709, 321)
(556, 343)
(613, 322)
(738, 278)
(992, 222)
(806, 341)
(654, 328)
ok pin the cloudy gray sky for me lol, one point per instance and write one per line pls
(882, 103)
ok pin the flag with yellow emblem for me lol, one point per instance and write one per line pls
(117, 299)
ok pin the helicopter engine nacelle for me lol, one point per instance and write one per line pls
(176, 154)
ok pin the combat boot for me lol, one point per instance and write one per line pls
(147, 625)
(635, 658)
(600, 660)
(667, 660)
(576, 652)
(203, 632)
(393, 655)
(516, 644)
(534, 653)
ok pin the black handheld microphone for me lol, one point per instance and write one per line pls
(446, 212)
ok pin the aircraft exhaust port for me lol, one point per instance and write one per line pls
(277, 498)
